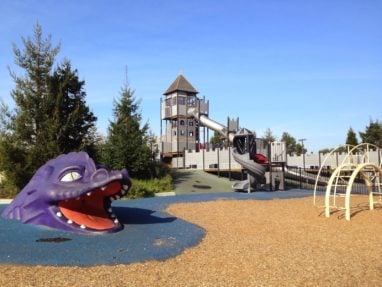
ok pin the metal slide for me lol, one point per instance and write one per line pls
(255, 170)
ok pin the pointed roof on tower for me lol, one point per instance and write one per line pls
(180, 84)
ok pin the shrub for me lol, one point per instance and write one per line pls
(7, 189)
(141, 188)
(147, 188)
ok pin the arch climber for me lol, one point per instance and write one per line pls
(357, 164)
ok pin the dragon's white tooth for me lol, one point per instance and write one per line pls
(78, 198)
(116, 221)
(117, 197)
(112, 215)
(59, 214)
(103, 188)
(82, 226)
(125, 187)
(109, 210)
(123, 192)
(69, 221)
(112, 198)
(89, 194)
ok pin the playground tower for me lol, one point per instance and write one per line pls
(182, 131)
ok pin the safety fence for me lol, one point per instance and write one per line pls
(298, 177)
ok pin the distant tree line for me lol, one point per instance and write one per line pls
(51, 117)
(372, 135)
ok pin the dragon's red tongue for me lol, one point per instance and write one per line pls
(88, 210)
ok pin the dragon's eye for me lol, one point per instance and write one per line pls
(71, 176)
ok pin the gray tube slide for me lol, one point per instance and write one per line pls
(254, 169)
(211, 124)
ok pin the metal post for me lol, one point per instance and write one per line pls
(270, 167)
(187, 123)
(161, 132)
(203, 158)
(229, 151)
(177, 143)
(198, 101)
(249, 183)
(184, 158)
(208, 134)
(303, 152)
(300, 178)
(283, 172)
(229, 161)
(177, 131)
(204, 146)
(217, 152)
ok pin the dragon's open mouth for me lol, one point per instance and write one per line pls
(92, 210)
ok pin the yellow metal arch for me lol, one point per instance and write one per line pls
(360, 169)
(356, 162)
(331, 184)
(328, 156)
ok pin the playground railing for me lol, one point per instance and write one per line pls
(298, 177)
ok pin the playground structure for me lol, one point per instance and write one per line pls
(186, 127)
(244, 149)
(356, 167)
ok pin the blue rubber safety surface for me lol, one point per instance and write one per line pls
(149, 234)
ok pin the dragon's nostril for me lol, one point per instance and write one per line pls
(100, 175)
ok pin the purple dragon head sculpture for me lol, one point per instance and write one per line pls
(70, 193)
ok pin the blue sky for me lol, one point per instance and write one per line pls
(309, 68)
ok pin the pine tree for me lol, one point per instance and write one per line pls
(22, 150)
(351, 138)
(50, 115)
(71, 124)
(373, 133)
(127, 142)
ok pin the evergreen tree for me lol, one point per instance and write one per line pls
(71, 124)
(50, 115)
(32, 89)
(127, 142)
(23, 148)
(373, 133)
(351, 138)
(290, 143)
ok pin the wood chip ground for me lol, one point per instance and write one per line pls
(247, 243)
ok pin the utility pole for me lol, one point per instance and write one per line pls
(303, 152)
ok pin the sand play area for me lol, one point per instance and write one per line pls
(280, 242)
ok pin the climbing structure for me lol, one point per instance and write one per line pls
(356, 166)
